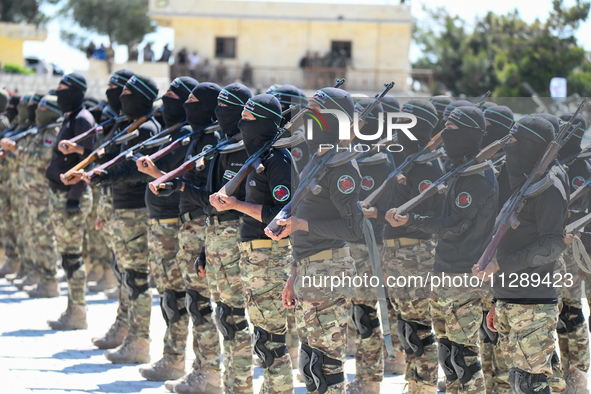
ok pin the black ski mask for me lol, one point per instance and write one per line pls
(201, 113)
(572, 146)
(463, 142)
(32, 106)
(235, 96)
(372, 123)
(255, 133)
(532, 135)
(289, 95)
(501, 121)
(119, 79)
(552, 119)
(327, 133)
(427, 119)
(71, 99)
(141, 99)
(11, 111)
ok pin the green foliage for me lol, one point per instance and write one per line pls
(25, 11)
(123, 22)
(502, 51)
(10, 68)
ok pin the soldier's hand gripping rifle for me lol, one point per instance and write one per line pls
(255, 162)
(536, 183)
(309, 184)
(98, 129)
(154, 141)
(126, 134)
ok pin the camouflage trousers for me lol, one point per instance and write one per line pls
(96, 250)
(130, 236)
(7, 227)
(369, 360)
(206, 341)
(526, 333)
(69, 235)
(42, 247)
(413, 302)
(457, 316)
(488, 354)
(324, 310)
(573, 335)
(223, 256)
(19, 220)
(264, 273)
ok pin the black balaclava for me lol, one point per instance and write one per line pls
(427, 119)
(141, 100)
(50, 113)
(486, 105)
(4, 96)
(201, 113)
(501, 120)
(71, 99)
(440, 103)
(532, 134)
(325, 128)
(372, 123)
(119, 79)
(390, 104)
(573, 144)
(94, 107)
(11, 111)
(289, 95)
(552, 119)
(267, 112)
(173, 108)
(32, 106)
(235, 96)
(464, 142)
(455, 104)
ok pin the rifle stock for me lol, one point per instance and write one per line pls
(577, 225)
(491, 249)
(186, 166)
(165, 151)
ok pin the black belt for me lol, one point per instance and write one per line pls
(187, 217)
(211, 219)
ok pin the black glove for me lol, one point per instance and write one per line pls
(72, 207)
(200, 262)
(170, 187)
(99, 177)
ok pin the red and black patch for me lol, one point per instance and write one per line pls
(424, 185)
(578, 182)
(48, 141)
(296, 153)
(367, 183)
(464, 200)
(281, 193)
(346, 184)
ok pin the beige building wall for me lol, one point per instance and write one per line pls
(12, 36)
(274, 36)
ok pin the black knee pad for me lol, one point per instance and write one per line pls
(364, 324)
(304, 366)
(228, 331)
(192, 304)
(132, 289)
(523, 382)
(464, 372)
(486, 334)
(409, 337)
(444, 357)
(322, 380)
(569, 319)
(71, 263)
(266, 355)
(170, 306)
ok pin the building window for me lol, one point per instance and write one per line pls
(225, 47)
(338, 46)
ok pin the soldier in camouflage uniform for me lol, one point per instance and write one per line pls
(8, 229)
(42, 244)
(264, 264)
(70, 205)
(221, 261)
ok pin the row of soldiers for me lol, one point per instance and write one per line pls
(173, 204)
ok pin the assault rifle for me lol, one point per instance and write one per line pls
(580, 192)
(536, 183)
(98, 129)
(126, 134)
(155, 140)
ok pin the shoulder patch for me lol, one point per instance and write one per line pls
(48, 141)
(296, 153)
(578, 182)
(464, 200)
(424, 185)
(229, 175)
(367, 183)
(281, 193)
(206, 148)
(346, 184)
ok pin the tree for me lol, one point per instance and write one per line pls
(502, 51)
(123, 22)
(23, 11)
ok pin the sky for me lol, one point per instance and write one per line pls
(53, 49)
